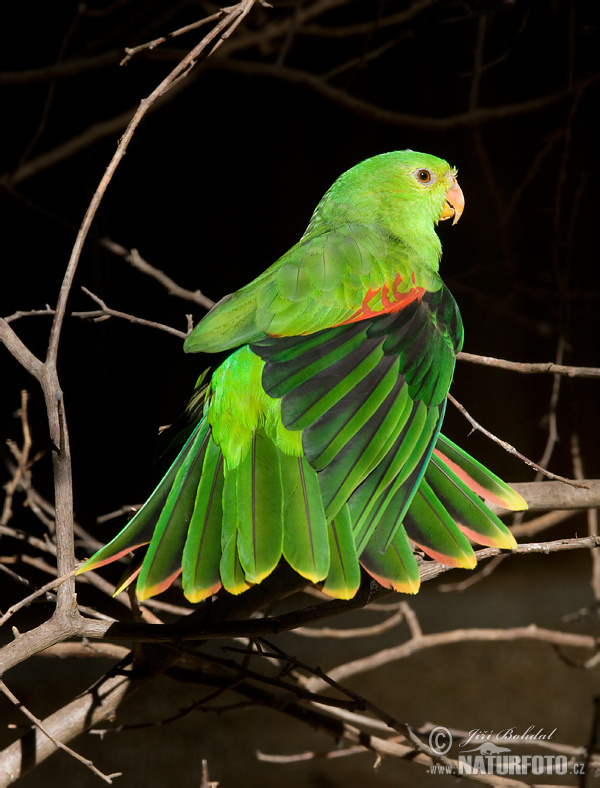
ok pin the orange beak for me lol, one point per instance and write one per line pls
(455, 203)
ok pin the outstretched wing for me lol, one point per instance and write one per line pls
(369, 398)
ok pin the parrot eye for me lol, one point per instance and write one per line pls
(423, 176)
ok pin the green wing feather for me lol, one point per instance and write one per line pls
(468, 511)
(477, 477)
(395, 568)
(131, 572)
(428, 524)
(356, 467)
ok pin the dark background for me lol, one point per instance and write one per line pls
(222, 178)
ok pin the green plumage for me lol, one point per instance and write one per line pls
(318, 441)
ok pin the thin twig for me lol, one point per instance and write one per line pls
(133, 257)
(334, 721)
(22, 458)
(131, 51)
(362, 703)
(507, 446)
(106, 311)
(552, 439)
(215, 37)
(35, 595)
(356, 632)
(60, 69)
(360, 28)
(108, 778)
(479, 574)
(542, 523)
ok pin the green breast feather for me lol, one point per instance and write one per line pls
(319, 442)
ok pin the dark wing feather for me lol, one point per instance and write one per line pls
(340, 386)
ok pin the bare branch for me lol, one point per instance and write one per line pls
(194, 627)
(97, 131)
(472, 579)
(59, 70)
(65, 622)
(507, 447)
(104, 313)
(361, 702)
(360, 28)
(88, 710)
(546, 367)
(137, 261)
(542, 496)
(422, 642)
(469, 119)
(86, 650)
(541, 523)
(22, 354)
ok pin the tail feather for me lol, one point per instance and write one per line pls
(163, 559)
(230, 526)
(230, 568)
(305, 539)
(202, 551)
(259, 509)
(343, 578)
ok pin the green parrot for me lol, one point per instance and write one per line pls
(317, 440)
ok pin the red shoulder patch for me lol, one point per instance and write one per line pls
(385, 300)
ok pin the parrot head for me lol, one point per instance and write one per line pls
(405, 192)
(423, 184)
